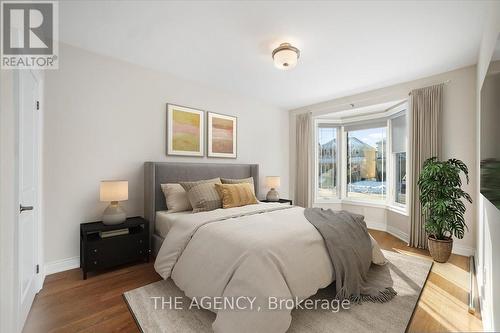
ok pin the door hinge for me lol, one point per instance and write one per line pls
(37, 269)
(38, 105)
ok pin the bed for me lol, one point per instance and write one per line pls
(266, 252)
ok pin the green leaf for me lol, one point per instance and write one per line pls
(441, 197)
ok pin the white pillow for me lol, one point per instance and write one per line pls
(176, 198)
(377, 255)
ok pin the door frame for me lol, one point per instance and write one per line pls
(39, 76)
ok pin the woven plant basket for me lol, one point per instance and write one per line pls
(440, 249)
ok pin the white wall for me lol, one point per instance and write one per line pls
(458, 137)
(488, 217)
(104, 118)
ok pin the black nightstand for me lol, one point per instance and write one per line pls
(280, 201)
(99, 253)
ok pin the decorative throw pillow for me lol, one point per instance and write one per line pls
(189, 185)
(202, 194)
(248, 180)
(236, 195)
(176, 198)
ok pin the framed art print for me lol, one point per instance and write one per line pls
(222, 136)
(185, 131)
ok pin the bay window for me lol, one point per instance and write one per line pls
(362, 159)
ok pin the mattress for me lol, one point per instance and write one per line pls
(164, 221)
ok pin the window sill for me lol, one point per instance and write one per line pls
(365, 203)
(350, 202)
(398, 209)
(373, 204)
(327, 201)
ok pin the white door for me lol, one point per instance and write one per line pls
(28, 190)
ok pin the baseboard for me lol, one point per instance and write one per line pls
(389, 229)
(457, 248)
(398, 233)
(62, 265)
(376, 226)
(462, 250)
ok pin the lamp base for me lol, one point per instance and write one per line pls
(113, 214)
(273, 195)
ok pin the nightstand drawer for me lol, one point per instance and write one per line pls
(127, 243)
(116, 250)
(119, 244)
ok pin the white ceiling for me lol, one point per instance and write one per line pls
(346, 47)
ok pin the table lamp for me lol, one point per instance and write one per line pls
(273, 182)
(114, 191)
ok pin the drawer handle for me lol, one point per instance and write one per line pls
(94, 250)
(140, 251)
(140, 241)
(95, 262)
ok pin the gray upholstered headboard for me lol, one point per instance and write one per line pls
(156, 173)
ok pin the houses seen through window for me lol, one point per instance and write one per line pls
(366, 163)
(327, 157)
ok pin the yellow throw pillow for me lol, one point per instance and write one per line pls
(236, 195)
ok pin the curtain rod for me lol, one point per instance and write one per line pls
(444, 82)
(354, 104)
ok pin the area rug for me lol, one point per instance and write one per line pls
(407, 274)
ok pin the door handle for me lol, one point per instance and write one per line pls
(23, 208)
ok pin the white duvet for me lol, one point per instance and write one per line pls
(262, 251)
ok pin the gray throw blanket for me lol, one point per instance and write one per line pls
(349, 246)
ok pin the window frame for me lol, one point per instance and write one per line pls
(316, 197)
(394, 189)
(346, 197)
(393, 204)
(341, 162)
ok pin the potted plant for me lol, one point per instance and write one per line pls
(441, 197)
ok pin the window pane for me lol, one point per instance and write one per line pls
(399, 135)
(400, 178)
(327, 166)
(399, 138)
(366, 164)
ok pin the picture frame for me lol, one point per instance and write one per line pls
(222, 135)
(185, 131)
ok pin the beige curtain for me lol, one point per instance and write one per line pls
(303, 160)
(425, 105)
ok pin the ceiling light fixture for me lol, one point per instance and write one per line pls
(285, 56)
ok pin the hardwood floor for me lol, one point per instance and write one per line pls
(69, 304)
(443, 304)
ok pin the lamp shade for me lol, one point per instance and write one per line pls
(114, 190)
(273, 181)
